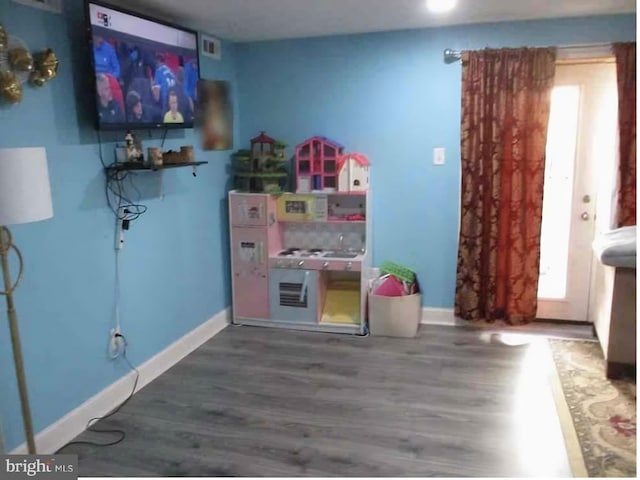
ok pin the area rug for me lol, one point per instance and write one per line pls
(600, 426)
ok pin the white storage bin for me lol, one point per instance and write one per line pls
(395, 316)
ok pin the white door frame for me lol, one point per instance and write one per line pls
(594, 79)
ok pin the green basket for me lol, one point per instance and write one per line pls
(397, 270)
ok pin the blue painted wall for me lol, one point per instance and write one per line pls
(174, 266)
(388, 95)
(391, 96)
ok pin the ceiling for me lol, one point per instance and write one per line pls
(254, 20)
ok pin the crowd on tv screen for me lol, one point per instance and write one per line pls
(143, 85)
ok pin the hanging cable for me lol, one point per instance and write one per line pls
(116, 296)
(117, 194)
(90, 424)
(164, 137)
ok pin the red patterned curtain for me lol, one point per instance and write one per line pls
(626, 66)
(506, 96)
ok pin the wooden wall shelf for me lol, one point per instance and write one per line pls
(122, 167)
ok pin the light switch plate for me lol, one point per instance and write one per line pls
(438, 156)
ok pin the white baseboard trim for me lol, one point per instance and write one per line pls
(57, 434)
(439, 316)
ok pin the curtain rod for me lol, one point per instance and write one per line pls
(451, 56)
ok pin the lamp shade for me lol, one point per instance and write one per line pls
(25, 194)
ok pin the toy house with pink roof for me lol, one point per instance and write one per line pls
(353, 174)
(317, 165)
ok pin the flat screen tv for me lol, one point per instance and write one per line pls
(146, 71)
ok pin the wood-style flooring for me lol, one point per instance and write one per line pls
(269, 402)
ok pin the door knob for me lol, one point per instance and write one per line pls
(584, 216)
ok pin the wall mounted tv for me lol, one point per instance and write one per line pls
(146, 71)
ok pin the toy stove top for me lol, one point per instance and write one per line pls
(298, 252)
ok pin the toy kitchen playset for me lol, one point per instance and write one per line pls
(299, 259)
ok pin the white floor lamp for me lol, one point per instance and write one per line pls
(25, 196)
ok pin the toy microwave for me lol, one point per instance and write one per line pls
(302, 208)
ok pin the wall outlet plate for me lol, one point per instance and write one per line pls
(438, 156)
(115, 343)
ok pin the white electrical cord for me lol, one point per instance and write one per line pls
(117, 292)
(115, 352)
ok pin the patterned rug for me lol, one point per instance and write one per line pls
(603, 412)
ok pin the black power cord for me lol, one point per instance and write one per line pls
(90, 424)
(117, 196)
(164, 137)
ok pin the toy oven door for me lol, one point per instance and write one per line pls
(293, 295)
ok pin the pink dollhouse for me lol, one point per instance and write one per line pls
(317, 165)
(353, 174)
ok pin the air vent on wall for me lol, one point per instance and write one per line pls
(211, 47)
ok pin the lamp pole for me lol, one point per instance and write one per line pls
(5, 246)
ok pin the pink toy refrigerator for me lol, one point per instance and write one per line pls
(253, 234)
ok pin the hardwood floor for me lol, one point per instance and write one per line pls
(269, 402)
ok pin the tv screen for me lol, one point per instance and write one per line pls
(146, 71)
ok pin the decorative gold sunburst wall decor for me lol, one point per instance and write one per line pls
(18, 66)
